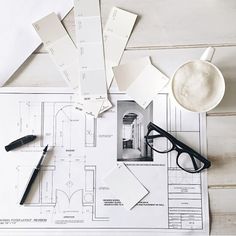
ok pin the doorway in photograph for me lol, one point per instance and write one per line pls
(131, 128)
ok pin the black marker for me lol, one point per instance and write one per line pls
(19, 142)
(33, 176)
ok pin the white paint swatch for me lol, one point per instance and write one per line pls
(60, 47)
(125, 186)
(89, 107)
(90, 46)
(127, 73)
(105, 106)
(116, 34)
(147, 85)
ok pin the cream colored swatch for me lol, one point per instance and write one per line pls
(147, 85)
(91, 53)
(60, 47)
(116, 35)
(127, 73)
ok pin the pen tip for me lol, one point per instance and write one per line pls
(45, 149)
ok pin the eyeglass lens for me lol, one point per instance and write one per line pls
(189, 162)
(158, 142)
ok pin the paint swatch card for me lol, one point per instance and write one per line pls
(147, 85)
(91, 53)
(116, 35)
(89, 107)
(93, 107)
(127, 73)
(105, 106)
(125, 186)
(60, 47)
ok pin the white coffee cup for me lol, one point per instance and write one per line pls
(198, 85)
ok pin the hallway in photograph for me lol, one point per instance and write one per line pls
(132, 129)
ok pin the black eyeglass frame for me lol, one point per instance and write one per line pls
(177, 146)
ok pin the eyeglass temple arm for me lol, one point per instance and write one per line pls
(194, 163)
(152, 136)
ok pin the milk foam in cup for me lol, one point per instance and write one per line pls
(197, 86)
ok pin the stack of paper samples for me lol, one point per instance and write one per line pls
(87, 66)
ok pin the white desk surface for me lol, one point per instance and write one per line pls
(172, 32)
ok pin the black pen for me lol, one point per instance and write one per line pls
(33, 176)
(19, 142)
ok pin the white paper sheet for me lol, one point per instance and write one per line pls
(125, 186)
(69, 193)
(147, 85)
(90, 46)
(116, 35)
(60, 47)
(19, 38)
(126, 74)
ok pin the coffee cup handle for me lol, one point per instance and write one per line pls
(208, 54)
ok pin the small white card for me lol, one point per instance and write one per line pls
(148, 84)
(89, 107)
(105, 106)
(126, 74)
(125, 186)
(60, 47)
(116, 35)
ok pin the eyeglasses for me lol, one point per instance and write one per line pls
(162, 142)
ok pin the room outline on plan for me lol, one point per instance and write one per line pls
(58, 134)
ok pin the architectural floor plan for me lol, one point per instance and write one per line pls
(69, 192)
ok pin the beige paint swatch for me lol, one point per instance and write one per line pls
(60, 47)
(127, 73)
(148, 84)
(116, 35)
(90, 46)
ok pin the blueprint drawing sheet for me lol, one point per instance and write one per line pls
(69, 191)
